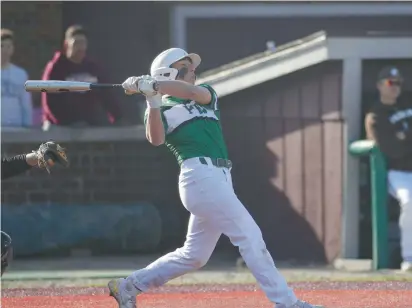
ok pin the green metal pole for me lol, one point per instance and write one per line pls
(379, 191)
(379, 194)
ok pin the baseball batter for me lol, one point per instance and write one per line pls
(186, 118)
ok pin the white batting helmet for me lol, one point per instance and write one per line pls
(160, 68)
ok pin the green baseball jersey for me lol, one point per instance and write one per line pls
(192, 129)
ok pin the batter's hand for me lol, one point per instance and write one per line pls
(145, 85)
(130, 85)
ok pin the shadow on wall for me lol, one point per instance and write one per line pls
(287, 233)
(285, 139)
(256, 173)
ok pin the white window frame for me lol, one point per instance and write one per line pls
(181, 12)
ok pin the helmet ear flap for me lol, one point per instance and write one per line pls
(165, 73)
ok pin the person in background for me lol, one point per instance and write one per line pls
(90, 108)
(389, 124)
(16, 103)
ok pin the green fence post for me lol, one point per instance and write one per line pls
(379, 194)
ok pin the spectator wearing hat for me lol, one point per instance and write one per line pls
(389, 124)
(16, 103)
(90, 108)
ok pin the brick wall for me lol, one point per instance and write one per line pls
(100, 172)
(121, 172)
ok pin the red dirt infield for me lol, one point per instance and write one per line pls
(338, 295)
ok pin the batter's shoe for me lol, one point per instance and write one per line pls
(301, 304)
(123, 292)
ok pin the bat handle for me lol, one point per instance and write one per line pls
(104, 85)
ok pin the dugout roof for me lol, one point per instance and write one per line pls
(302, 53)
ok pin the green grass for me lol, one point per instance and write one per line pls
(240, 277)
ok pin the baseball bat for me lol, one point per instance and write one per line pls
(51, 86)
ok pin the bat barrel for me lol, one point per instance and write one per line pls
(56, 86)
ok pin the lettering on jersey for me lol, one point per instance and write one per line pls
(200, 109)
(400, 115)
(182, 113)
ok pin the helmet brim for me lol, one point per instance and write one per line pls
(196, 59)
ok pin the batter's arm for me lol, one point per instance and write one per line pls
(185, 90)
(155, 132)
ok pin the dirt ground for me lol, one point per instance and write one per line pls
(39, 285)
(329, 294)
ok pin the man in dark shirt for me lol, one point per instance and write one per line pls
(389, 124)
(77, 108)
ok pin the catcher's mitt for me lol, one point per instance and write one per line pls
(50, 153)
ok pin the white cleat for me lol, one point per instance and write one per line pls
(302, 304)
(123, 292)
(406, 266)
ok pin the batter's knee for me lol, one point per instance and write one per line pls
(199, 262)
(194, 259)
(6, 251)
(249, 240)
(254, 248)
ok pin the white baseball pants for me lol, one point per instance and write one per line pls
(207, 192)
(400, 186)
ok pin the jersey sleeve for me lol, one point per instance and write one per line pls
(13, 166)
(165, 126)
(214, 101)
